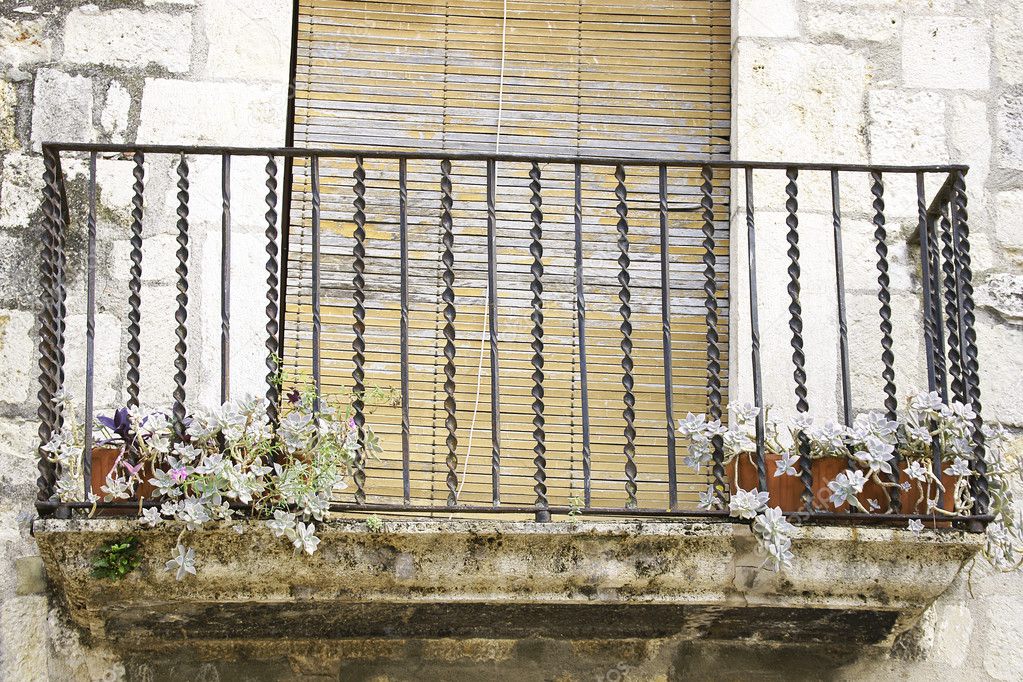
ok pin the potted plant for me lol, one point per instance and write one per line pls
(868, 447)
(231, 458)
(854, 468)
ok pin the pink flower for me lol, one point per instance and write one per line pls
(132, 470)
(179, 474)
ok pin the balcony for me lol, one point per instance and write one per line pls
(579, 308)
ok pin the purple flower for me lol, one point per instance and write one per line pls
(179, 474)
(119, 424)
(294, 397)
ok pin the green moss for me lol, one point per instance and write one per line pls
(117, 559)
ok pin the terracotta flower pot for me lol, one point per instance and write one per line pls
(786, 491)
(103, 460)
(914, 500)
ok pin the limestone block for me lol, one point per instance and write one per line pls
(114, 117)
(952, 631)
(212, 113)
(1003, 656)
(23, 625)
(128, 38)
(1002, 293)
(1001, 382)
(30, 575)
(946, 52)
(873, 24)
(249, 41)
(157, 341)
(907, 128)
(114, 182)
(62, 108)
(248, 316)
(1007, 17)
(16, 346)
(19, 439)
(1010, 131)
(790, 85)
(23, 43)
(157, 258)
(106, 364)
(8, 102)
(248, 190)
(860, 257)
(914, 6)
(19, 274)
(819, 314)
(970, 137)
(21, 189)
(1009, 219)
(767, 19)
(863, 314)
(158, 338)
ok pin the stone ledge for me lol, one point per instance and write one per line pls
(698, 580)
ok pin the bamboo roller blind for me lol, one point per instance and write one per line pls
(626, 78)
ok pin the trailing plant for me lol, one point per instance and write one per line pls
(117, 559)
(230, 458)
(872, 445)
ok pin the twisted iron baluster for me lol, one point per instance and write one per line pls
(181, 314)
(884, 295)
(754, 319)
(885, 298)
(711, 303)
(536, 287)
(625, 296)
(495, 371)
(359, 328)
(135, 281)
(448, 297)
(406, 425)
(580, 312)
(968, 332)
(924, 234)
(670, 425)
(60, 265)
(48, 385)
(940, 372)
(950, 268)
(796, 327)
(90, 325)
(225, 278)
(273, 378)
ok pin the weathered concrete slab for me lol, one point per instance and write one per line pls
(492, 579)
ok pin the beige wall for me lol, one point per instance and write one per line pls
(844, 80)
(902, 82)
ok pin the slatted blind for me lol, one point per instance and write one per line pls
(581, 78)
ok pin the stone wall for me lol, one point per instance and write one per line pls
(902, 82)
(156, 71)
(844, 80)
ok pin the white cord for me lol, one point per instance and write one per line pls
(486, 293)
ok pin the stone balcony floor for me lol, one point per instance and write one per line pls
(505, 579)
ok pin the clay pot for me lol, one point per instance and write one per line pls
(914, 501)
(103, 460)
(786, 491)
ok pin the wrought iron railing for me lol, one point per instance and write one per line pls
(944, 283)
